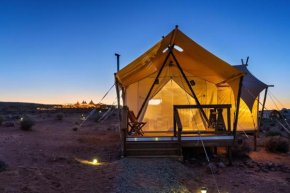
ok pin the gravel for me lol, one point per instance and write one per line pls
(152, 175)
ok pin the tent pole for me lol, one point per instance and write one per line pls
(262, 112)
(143, 105)
(238, 107)
(192, 92)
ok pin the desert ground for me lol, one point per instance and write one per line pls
(53, 157)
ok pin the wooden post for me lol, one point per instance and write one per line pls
(238, 108)
(179, 142)
(255, 140)
(229, 119)
(230, 156)
(140, 111)
(190, 88)
(262, 112)
(215, 150)
(124, 128)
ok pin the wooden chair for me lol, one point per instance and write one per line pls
(136, 126)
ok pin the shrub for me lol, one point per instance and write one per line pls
(59, 116)
(2, 119)
(242, 147)
(273, 133)
(277, 144)
(27, 123)
(3, 166)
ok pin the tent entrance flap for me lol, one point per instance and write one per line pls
(159, 113)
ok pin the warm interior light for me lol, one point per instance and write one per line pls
(95, 161)
(21, 119)
(155, 101)
(203, 190)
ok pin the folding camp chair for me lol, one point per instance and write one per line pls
(136, 126)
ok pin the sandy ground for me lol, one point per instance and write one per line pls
(44, 160)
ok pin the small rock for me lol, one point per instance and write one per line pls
(280, 164)
(75, 129)
(211, 168)
(269, 164)
(221, 165)
(257, 170)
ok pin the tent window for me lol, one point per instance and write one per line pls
(155, 101)
(178, 48)
(165, 50)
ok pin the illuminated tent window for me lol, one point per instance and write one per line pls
(155, 101)
(178, 48)
(165, 50)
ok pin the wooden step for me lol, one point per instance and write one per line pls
(174, 157)
(152, 151)
(151, 144)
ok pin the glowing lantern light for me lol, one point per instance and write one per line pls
(203, 189)
(135, 139)
(95, 161)
(21, 119)
(100, 111)
(156, 139)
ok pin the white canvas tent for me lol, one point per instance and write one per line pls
(178, 71)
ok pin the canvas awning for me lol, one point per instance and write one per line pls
(252, 86)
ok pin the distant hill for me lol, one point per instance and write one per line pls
(21, 104)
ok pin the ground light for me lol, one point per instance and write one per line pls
(95, 161)
(203, 189)
(92, 162)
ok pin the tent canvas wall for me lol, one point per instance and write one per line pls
(159, 79)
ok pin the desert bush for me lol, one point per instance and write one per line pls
(242, 147)
(273, 133)
(2, 119)
(59, 116)
(277, 144)
(27, 123)
(3, 166)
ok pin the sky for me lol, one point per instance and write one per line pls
(57, 52)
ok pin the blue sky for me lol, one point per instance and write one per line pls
(63, 51)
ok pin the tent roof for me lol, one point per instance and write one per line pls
(193, 59)
(252, 86)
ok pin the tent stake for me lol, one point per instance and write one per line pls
(190, 88)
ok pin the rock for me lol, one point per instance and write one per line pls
(211, 168)
(75, 129)
(8, 124)
(221, 165)
(280, 164)
(250, 164)
(257, 170)
(269, 164)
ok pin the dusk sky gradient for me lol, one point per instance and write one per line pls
(56, 52)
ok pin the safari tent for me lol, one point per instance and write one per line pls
(179, 93)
